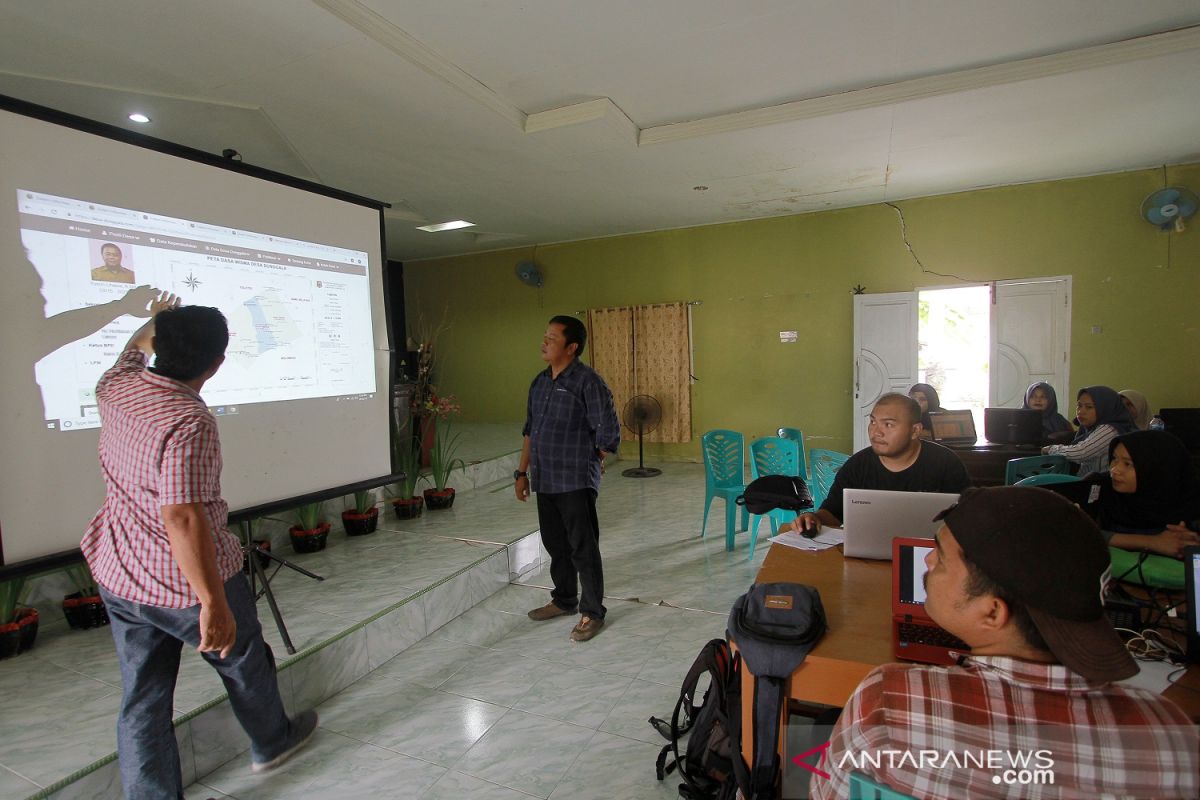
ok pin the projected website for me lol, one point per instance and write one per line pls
(299, 312)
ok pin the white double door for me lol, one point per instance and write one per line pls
(1030, 341)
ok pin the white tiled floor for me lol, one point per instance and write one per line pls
(489, 704)
(495, 706)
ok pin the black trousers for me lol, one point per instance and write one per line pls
(571, 534)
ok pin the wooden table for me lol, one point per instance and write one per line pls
(856, 595)
(986, 463)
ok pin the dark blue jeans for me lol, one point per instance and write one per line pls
(149, 641)
(571, 533)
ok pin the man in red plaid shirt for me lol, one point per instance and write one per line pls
(1035, 710)
(168, 567)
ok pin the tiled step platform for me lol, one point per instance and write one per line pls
(382, 593)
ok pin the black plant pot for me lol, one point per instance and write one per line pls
(357, 524)
(309, 541)
(84, 612)
(438, 501)
(408, 508)
(27, 621)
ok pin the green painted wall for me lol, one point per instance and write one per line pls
(759, 277)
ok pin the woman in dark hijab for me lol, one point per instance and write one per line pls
(1041, 397)
(1150, 495)
(927, 397)
(1101, 417)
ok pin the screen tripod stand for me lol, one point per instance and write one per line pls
(253, 555)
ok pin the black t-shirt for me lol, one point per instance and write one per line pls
(936, 469)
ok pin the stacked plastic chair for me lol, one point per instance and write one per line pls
(1020, 468)
(825, 464)
(772, 455)
(725, 477)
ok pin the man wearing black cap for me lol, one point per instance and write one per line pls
(1017, 574)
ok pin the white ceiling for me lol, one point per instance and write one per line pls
(555, 120)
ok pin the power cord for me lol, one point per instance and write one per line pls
(1150, 645)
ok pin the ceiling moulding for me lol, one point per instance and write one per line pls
(1144, 47)
(590, 127)
(366, 21)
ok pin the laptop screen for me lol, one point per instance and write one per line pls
(912, 574)
(1192, 582)
(953, 426)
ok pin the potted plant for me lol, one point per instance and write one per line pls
(18, 626)
(363, 518)
(408, 461)
(84, 608)
(311, 530)
(441, 459)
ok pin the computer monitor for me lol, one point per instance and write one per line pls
(1012, 425)
(1191, 577)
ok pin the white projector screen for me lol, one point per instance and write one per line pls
(303, 398)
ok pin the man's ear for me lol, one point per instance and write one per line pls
(993, 613)
(216, 365)
(572, 349)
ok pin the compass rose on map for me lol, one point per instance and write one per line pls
(191, 281)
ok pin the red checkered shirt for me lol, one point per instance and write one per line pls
(999, 716)
(158, 447)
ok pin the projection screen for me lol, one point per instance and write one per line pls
(88, 222)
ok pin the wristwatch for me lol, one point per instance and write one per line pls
(518, 474)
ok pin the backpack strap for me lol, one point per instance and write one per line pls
(714, 659)
(759, 780)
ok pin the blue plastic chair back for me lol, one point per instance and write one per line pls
(797, 436)
(772, 455)
(724, 476)
(825, 464)
(1020, 468)
(863, 788)
(1046, 478)
(724, 458)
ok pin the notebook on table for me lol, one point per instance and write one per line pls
(953, 428)
(873, 517)
(916, 637)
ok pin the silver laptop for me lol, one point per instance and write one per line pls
(873, 517)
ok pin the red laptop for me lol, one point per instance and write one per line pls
(916, 637)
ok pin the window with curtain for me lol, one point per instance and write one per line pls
(646, 350)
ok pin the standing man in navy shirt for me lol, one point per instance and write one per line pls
(570, 427)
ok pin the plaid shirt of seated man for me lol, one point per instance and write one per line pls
(1017, 573)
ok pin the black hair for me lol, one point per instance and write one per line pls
(188, 340)
(109, 244)
(978, 583)
(574, 331)
(911, 406)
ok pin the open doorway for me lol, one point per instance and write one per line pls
(954, 345)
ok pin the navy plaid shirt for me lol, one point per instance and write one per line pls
(568, 419)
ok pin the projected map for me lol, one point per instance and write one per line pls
(299, 312)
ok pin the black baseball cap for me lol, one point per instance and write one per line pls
(1048, 555)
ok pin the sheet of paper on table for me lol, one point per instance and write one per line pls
(828, 537)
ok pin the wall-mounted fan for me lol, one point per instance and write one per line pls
(641, 415)
(1168, 208)
(528, 273)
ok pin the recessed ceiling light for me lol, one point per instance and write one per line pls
(453, 225)
(138, 117)
(699, 188)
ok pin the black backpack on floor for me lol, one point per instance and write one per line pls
(707, 764)
(775, 626)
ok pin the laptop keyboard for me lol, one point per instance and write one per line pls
(935, 637)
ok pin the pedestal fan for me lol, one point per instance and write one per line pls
(641, 415)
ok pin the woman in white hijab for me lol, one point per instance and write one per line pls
(1138, 407)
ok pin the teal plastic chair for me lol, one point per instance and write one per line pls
(1021, 468)
(1046, 478)
(724, 477)
(825, 464)
(797, 436)
(772, 455)
(863, 788)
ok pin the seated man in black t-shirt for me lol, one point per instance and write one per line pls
(897, 460)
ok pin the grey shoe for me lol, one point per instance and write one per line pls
(549, 611)
(302, 728)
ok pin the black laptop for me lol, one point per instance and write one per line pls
(1191, 578)
(1012, 425)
